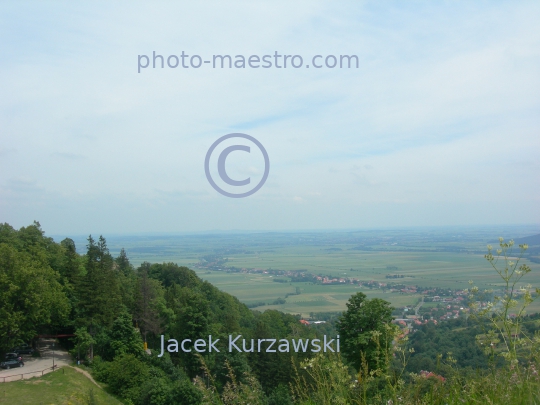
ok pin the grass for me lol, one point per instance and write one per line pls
(62, 387)
(255, 288)
(442, 269)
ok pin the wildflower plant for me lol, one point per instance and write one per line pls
(324, 380)
(505, 313)
(234, 392)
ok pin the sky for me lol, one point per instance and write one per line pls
(438, 126)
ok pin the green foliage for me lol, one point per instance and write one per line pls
(31, 293)
(274, 369)
(122, 263)
(516, 381)
(90, 397)
(364, 316)
(65, 386)
(234, 392)
(156, 391)
(171, 273)
(450, 336)
(149, 303)
(505, 314)
(238, 362)
(83, 340)
(47, 287)
(124, 338)
(325, 381)
(185, 392)
(280, 396)
(191, 320)
(125, 375)
(71, 263)
(99, 295)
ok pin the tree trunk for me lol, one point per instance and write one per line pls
(92, 343)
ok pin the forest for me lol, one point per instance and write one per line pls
(117, 314)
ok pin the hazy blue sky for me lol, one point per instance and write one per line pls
(440, 124)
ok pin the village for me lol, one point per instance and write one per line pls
(436, 304)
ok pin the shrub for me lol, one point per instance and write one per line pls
(125, 375)
(280, 396)
(156, 391)
(184, 392)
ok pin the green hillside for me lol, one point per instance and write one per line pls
(64, 386)
(490, 353)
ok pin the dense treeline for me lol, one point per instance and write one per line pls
(113, 308)
(451, 336)
(458, 337)
(35, 290)
(115, 311)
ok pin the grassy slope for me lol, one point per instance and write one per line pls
(65, 386)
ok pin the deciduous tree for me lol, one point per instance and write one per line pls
(357, 325)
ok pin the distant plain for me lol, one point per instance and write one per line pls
(434, 257)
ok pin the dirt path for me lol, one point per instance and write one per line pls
(86, 373)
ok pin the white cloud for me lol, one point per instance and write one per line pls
(442, 111)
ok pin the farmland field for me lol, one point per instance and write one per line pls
(236, 262)
(253, 288)
(451, 270)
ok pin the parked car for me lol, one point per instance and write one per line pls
(10, 356)
(23, 349)
(11, 363)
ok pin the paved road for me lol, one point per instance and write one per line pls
(34, 365)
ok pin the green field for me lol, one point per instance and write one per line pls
(444, 258)
(452, 270)
(64, 386)
(253, 288)
(439, 269)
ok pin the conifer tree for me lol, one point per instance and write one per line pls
(148, 300)
(70, 269)
(99, 297)
(122, 263)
